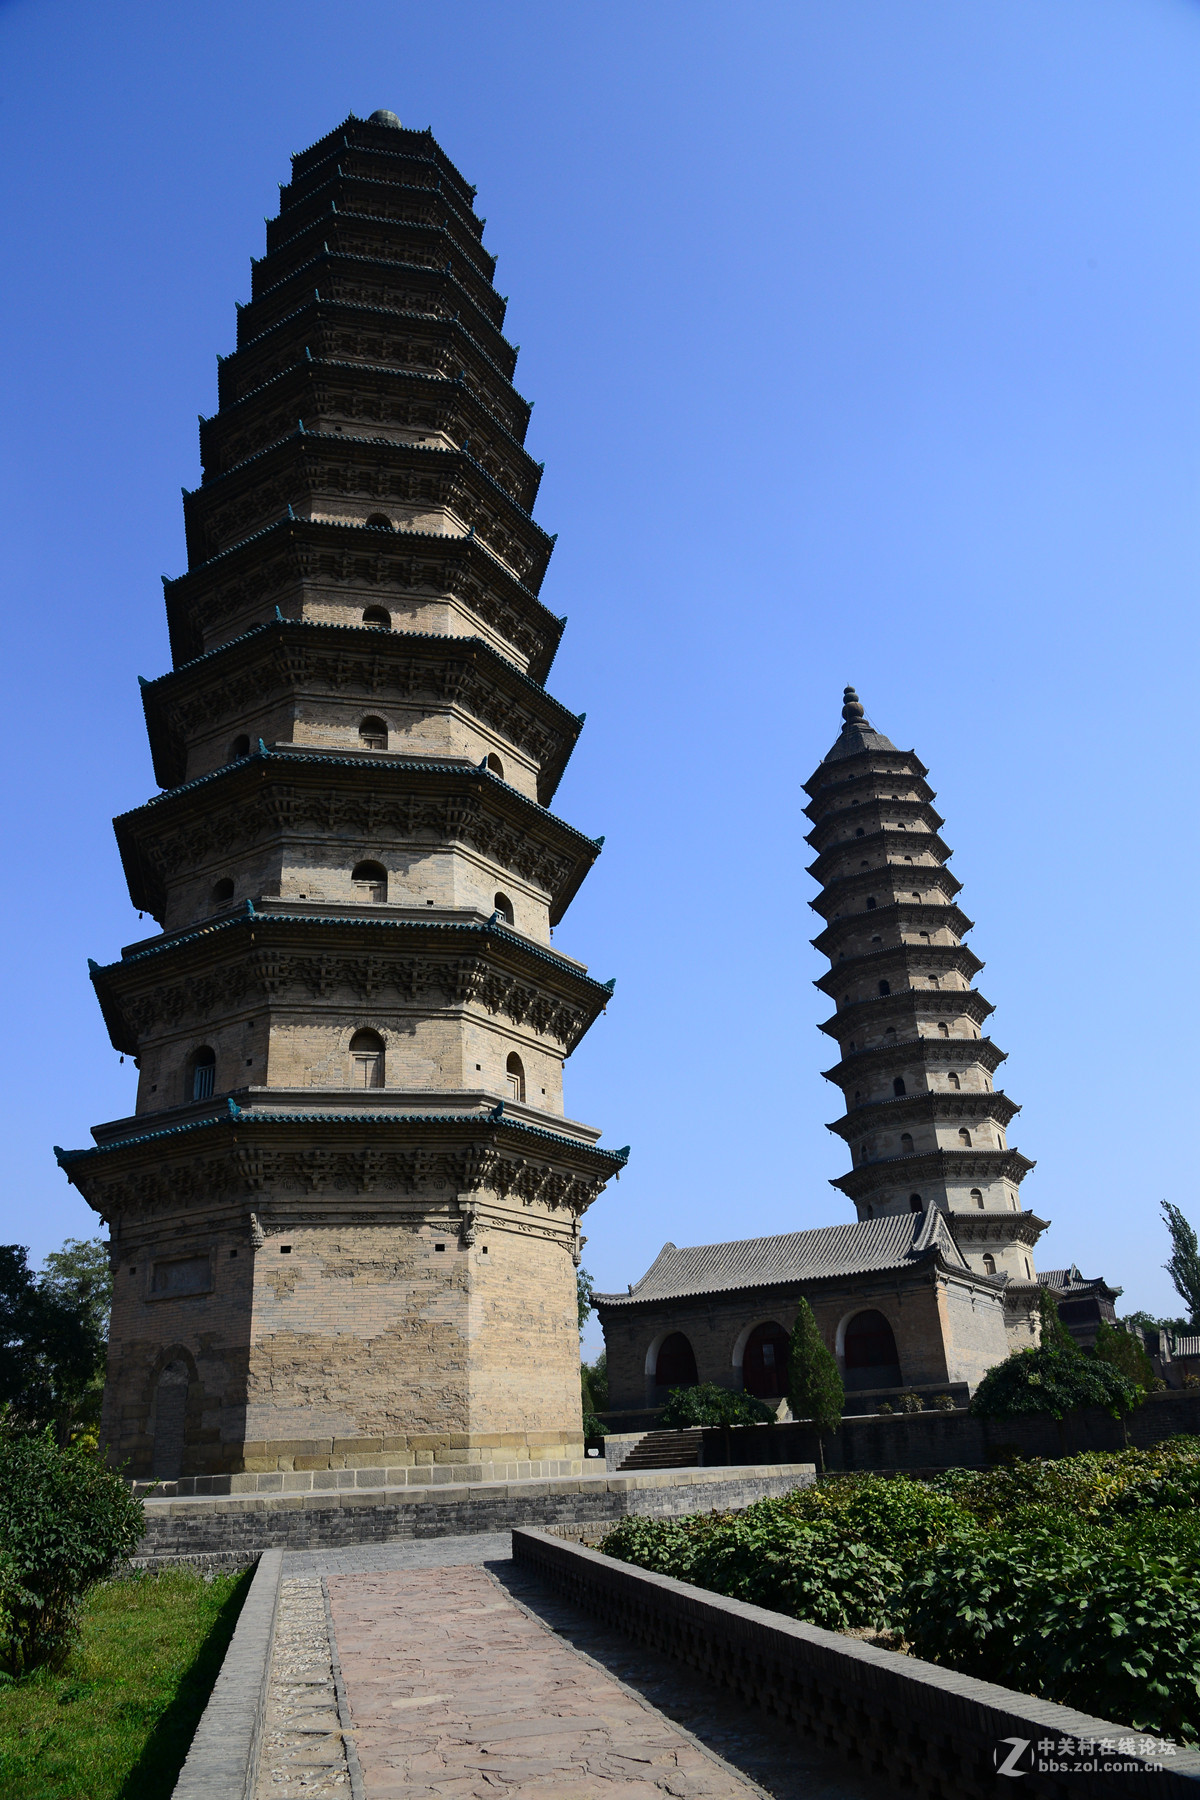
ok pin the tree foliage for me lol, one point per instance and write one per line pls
(66, 1522)
(1055, 1378)
(1183, 1265)
(708, 1404)
(815, 1388)
(52, 1336)
(1122, 1351)
(584, 1289)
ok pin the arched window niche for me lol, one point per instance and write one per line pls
(366, 1060)
(201, 1073)
(239, 749)
(373, 733)
(514, 1073)
(867, 1351)
(377, 615)
(369, 881)
(503, 906)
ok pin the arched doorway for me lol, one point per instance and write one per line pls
(170, 1420)
(675, 1365)
(871, 1357)
(765, 1361)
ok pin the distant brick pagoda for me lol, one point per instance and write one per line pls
(925, 1125)
(345, 1218)
(935, 1283)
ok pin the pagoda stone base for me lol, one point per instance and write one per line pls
(315, 1466)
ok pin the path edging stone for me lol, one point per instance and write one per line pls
(222, 1763)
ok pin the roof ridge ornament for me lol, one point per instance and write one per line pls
(853, 711)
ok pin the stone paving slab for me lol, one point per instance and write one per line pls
(455, 1689)
(409, 1553)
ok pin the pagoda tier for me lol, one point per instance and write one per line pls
(291, 824)
(422, 581)
(407, 405)
(273, 990)
(308, 683)
(351, 1033)
(344, 479)
(924, 1123)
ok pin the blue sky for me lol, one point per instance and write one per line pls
(863, 336)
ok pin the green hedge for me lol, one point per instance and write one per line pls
(1077, 1580)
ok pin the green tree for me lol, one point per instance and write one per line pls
(1122, 1351)
(815, 1389)
(80, 1276)
(1183, 1265)
(583, 1295)
(51, 1348)
(596, 1374)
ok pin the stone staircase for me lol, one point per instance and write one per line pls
(663, 1450)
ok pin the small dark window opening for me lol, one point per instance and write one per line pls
(495, 765)
(885, 988)
(870, 903)
(239, 748)
(915, 1203)
(373, 734)
(381, 520)
(369, 881)
(860, 832)
(285, 1249)
(898, 1087)
(515, 1073)
(223, 891)
(504, 907)
(378, 615)
(204, 1069)
(989, 1263)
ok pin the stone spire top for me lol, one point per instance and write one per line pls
(857, 732)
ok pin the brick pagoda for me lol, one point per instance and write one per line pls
(345, 1218)
(925, 1125)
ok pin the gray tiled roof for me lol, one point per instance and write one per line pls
(1186, 1346)
(855, 738)
(829, 1251)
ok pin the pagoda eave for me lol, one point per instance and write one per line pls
(934, 1106)
(982, 1051)
(279, 791)
(270, 959)
(960, 1165)
(366, 663)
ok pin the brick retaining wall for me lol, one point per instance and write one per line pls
(924, 1730)
(954, 1440)
(238, 1526)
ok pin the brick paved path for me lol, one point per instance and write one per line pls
(455, 1689)
(464, 1681)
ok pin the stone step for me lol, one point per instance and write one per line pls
(664, 1450)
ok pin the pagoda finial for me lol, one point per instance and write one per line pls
(383, 117)
(852, 707)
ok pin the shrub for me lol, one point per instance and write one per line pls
(66, 1522)
(708, 1404)
(1101, 1616)
(1055, 1381)
(594, 1427)
(836, 1555)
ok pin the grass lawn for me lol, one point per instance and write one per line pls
(116, 1721)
